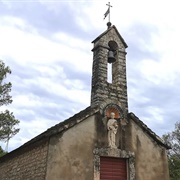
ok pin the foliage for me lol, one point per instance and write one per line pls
(5, 88)
(7, 119)
(174, 167)
(7, 125)
(173, 140)
(2, 152)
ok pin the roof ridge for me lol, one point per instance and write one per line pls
(102, 34)
(151, 133)
(58, 128)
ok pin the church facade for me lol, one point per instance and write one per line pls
(103, 141)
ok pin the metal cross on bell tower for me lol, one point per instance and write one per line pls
(108, 13)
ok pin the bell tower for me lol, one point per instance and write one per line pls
(109, 47)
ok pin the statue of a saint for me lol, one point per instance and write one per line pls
(112, 127)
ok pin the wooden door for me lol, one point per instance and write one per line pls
(113, 168)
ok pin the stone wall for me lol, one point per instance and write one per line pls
(74, 152)
(101, 89)
(150, 157)
(71, 153)
(28, 163)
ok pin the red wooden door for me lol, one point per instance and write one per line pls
(113, 168)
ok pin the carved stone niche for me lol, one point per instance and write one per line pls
(114, 120)
(109, 152)
(115, 109)
(108, 107)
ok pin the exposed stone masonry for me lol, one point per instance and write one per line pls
(101, 89)
(28, 164)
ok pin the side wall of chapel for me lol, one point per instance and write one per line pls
(28, 163)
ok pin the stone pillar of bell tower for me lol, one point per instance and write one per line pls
(101, 89)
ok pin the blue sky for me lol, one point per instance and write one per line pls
(47, 45)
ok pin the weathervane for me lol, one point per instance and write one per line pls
(108, 11)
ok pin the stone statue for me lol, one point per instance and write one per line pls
(112, 127)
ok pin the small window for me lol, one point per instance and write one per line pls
(113, 47)
(109, 76)
(113, 168)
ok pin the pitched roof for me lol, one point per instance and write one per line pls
(66, 124)
(145, 128)
(105, 32)
(76, 119)
(58, 128)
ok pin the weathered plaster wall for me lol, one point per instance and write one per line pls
(70, 154)
(150, 158)
(26, 164)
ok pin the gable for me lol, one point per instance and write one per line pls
(148, 131)
(108, 35)
(70, 151)
(58, 128)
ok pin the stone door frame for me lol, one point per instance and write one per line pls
(117, 153)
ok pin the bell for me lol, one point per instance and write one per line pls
(111, 57)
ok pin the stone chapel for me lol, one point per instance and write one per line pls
(102, 142)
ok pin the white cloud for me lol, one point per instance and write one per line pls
(42, 59)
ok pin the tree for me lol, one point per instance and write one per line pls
(2, 152)
(173, 140)
(7, 119)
